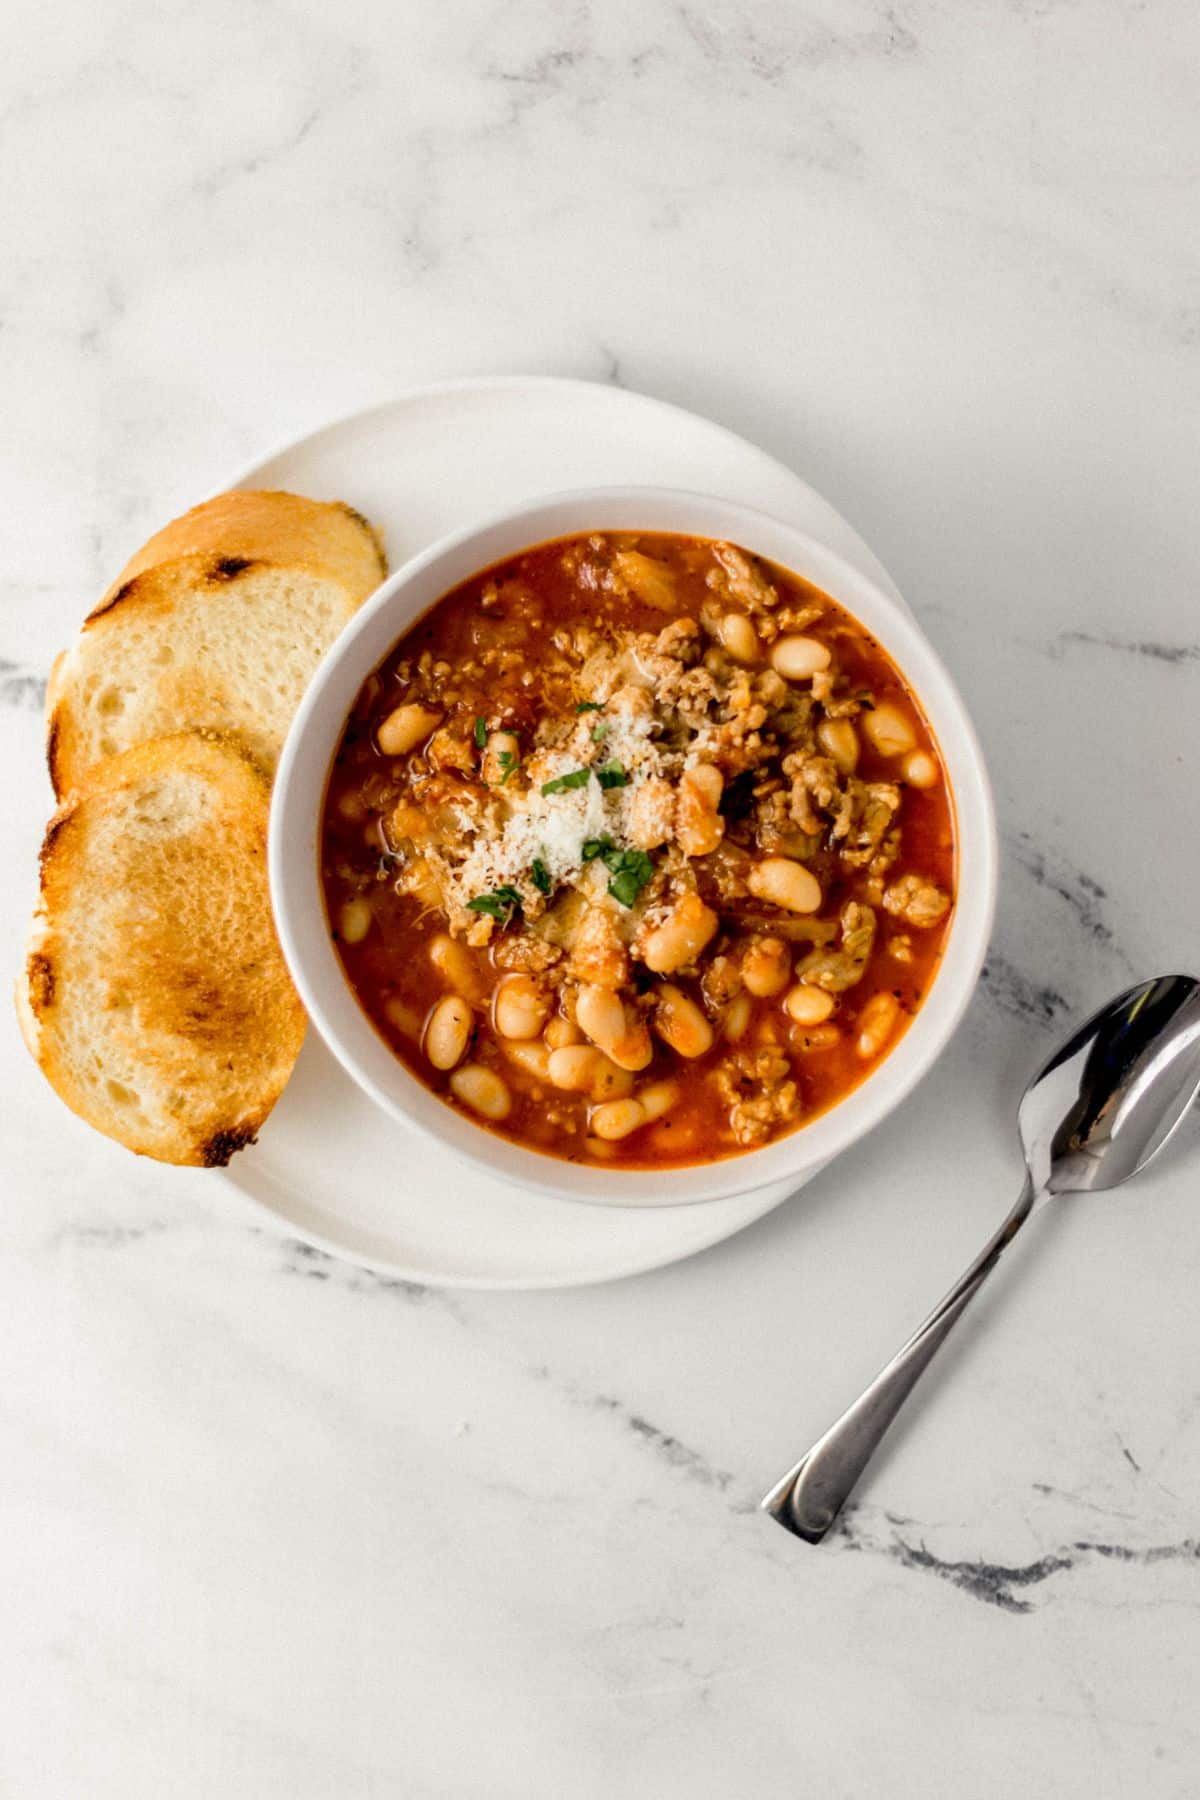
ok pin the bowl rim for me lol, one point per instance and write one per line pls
(302, 776)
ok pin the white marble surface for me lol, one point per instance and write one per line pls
(271, 1527)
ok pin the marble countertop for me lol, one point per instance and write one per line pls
(275, 1527)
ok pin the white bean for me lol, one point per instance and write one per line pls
(485, 1092)
(607, 1022)
(808, 1005)
(680, 1023)
(681, 937)
(609, 1082)
(799, 658)
(919, 769)
(448, 1032)
(406, 727)
(573, 1068)
(582, 1069)
(354, 921)
(455, 964)
(707, 781)
(615, 1119)
(876, 1023)
(786, 883)
(658, 1098)
(740, 638)
(839, 740)
(600, 1013)
(534, 1059)
(561, 1033)
(889, 730)
(735, 1021)
(519, 1007)
(766, 967)
(634, 1050)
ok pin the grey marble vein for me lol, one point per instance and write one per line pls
(1007, 1586)
(1082, 893)
(664, 1445)
(311, 1264)
(113, 1234)
(1021, 994)
(771, 46)
(1173, 655)
(20, 687)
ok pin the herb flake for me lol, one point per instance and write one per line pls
(480, 733)
(589, 706)
(501, 904)
(539, 874)
(612, 774)
(577, 778)
(630, 871)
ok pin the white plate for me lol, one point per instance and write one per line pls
(329, 1165)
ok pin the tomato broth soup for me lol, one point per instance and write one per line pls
(638, 850)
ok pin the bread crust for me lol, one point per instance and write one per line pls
(154, 997)
(267, 525)
(226, 547)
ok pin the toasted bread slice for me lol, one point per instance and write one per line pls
(216, 624)
(155, 998)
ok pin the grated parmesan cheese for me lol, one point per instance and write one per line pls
(553, 828)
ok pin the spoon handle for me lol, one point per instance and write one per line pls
(810, 1495)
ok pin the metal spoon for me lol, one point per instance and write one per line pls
(1093, 1116)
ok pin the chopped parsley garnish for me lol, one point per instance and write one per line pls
(509, 763)
(500, 905)
(611, 775)
(480, 733)
(589, 706)
(576, 779)
(539, 874)
(601, 730)
(630, 871)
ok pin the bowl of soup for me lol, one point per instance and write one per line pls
(635, 845)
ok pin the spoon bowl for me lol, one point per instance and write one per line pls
(1112, 1096)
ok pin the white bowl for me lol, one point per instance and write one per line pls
(300, 789)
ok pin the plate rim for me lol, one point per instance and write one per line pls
(430, 390)
(767, 1200)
